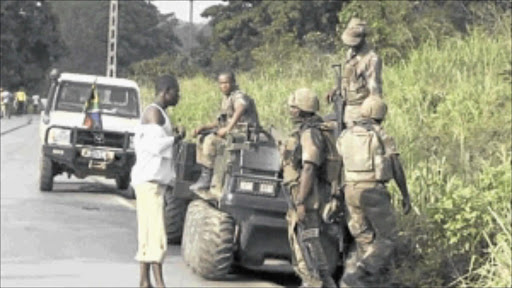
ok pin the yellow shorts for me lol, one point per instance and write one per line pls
(150, 219)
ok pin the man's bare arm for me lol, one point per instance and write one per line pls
(307, 177)
(152, 115)
(239, 111)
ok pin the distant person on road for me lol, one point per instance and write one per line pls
(35, 103)
(6, 101)
(152, 175)
(21, 99)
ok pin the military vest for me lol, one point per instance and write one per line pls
(330, 169)
(364, 154)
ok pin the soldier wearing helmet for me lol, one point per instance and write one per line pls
(362, 72)
(370, 160)
(302, 159)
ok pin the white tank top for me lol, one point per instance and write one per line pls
(167, 125)
(150, 166)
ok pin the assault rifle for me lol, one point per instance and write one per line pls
(221, 122)
(207, 131)
(339, 100)
(311, 263)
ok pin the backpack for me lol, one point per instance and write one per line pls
(364, 155)
(330, 170)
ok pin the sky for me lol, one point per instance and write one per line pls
(181, 8)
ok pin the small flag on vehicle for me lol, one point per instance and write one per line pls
(92, 119)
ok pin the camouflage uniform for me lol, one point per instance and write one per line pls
(369, 212)
(208, 146)
(362, 72)
(311, 229)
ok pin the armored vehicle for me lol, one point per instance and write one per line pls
(69, 147)
(241, 220)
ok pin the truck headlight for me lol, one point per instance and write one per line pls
(257, 187)
(246, 185)
(267, 188)
(59, 136)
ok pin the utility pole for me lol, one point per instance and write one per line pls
(191, 24)
(112, 39)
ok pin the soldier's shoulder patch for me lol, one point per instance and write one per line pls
(312, 145)
(313, 136)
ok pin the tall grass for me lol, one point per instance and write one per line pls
(450, 113)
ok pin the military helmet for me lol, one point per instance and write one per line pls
(304, 99)
(355, 32)
(374, 107)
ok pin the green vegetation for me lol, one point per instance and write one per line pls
(449, 110)
(143, 34)
(29, 43)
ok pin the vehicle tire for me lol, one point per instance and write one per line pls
(123, 181)
(210, 252)
(175, 210)
(45, 174)
(190, 228)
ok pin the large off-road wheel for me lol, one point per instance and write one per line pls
(209, 246)
(175, 210)
(190, 235)
(45, 173)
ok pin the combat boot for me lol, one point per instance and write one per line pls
(204, 180)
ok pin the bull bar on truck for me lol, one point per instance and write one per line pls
(118, 160)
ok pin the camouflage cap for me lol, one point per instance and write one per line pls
(304, 99)
(355, 32)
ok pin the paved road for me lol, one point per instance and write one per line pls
(84, 232)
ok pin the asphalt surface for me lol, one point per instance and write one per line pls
(84, 232)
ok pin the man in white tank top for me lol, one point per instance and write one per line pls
(152, 175)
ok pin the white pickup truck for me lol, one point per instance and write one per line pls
(69, 146)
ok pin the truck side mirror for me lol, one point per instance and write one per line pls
(44, 102)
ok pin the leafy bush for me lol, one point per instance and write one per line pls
(449, 111)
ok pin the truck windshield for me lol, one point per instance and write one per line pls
(114, 100)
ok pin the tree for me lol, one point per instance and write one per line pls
(241, 26)
(398, 27)
(143, 34)
(30, 43)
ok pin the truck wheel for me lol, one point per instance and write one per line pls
(193, 216)
(175, 210)
(212, 251)
(123, 181)
(45, 174)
